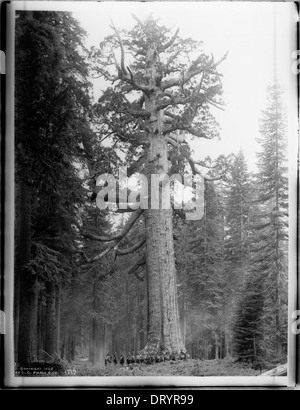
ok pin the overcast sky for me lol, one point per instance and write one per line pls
(253, 33)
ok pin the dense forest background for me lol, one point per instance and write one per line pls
(69, 304)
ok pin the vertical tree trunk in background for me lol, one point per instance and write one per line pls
(108, 339)
(50, 319)
(221, 353)
(94, 338)
(142, 328)
(95, 342)
(139, 313)
(184, 313)
(16, 270)
(82, 352)
(115, 340)
(70, 345)
(57, 317)
(40, 333)
(63, 347)
(216, 347)
(27, 341)
(103, 353)
(127, 314)
(16, 314)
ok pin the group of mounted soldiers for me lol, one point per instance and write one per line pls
(129, 359)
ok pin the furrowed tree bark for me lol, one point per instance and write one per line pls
(27, 340)
(164, 329)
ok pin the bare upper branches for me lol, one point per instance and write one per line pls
(193, 70)
(125, 73)
(170, 42)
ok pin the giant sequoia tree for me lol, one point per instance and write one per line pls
(161, 88)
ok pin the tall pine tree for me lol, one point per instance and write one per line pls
(265, 292)
(52, 101)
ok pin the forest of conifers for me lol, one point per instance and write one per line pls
(88, 281)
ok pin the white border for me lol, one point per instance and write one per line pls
(293, 133)
(240, 381)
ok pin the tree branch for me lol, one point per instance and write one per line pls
(125, 73)
(117, 240)
(134, 113)
(175, 142)
(105, 252)
(132, 249)
(138, 20)
(123, 68)
(136, 266)
(170, 42)
(191, 72)
(180, 213)
(131, 221)
(172, 101)
(193, 164)
(197, 132)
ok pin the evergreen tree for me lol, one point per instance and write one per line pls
(247, 332)
(237, 204)
(205, 279)
(52, 101)
(237, 211)
(272, 184)
(266, 286)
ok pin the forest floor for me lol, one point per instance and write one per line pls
(191, 367)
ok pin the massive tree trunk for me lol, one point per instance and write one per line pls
(164, 328)
(27, 338)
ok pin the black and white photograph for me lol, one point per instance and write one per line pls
(151, 194)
